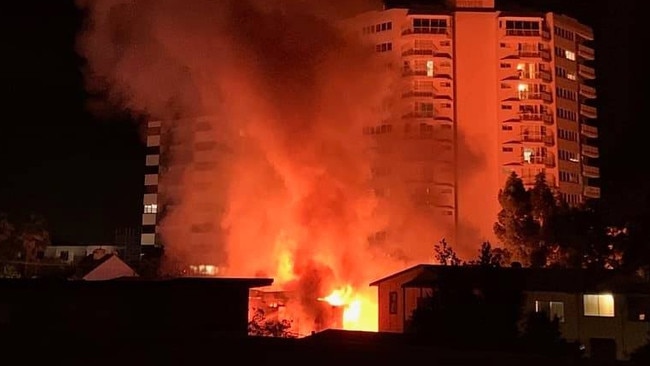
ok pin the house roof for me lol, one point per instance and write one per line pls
(528, 279)
(110, 268)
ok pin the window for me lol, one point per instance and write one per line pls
(429, 68)
(570, 55)
(435, 26)
(152, 208)
(506, 128)
(507, 149)
(64, 255)
(554, 309)
(599, 305)
(506, 106)
(384, 47)
(392, 302)
(569, 177)
(522, 28)
(568, 156)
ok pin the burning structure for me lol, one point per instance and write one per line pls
(286, 142)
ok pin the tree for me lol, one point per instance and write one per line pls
(34, 237)
(259, 325)
(491, 257)
(541, 335)
(445, 255)
(516, 227)
(8, 248)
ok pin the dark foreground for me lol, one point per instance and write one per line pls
(326, 348)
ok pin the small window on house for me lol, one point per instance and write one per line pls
(392, 302)
(64, 255)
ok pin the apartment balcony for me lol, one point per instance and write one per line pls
(548, 140)
(546, 76)
(590, 151)
(418, 94)
(591, 171)
(588, 91)
(546, 34)
(548, 119)
(418, 115)
(545, 54)
(531, 117)
(424, 31)
(589, 131)
(588, 111)
(592, 192)
(586, 72)
(546, 97)
(412, 51)
(586, 52)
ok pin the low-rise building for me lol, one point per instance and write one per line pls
(605, 311)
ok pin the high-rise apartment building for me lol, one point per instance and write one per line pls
(480, 93)
(500, 92)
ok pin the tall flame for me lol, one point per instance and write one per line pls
(359, 311)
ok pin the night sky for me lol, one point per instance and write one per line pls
(85, 174)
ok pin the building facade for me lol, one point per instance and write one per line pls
(490, 92)
(480, 93)
(607, 314)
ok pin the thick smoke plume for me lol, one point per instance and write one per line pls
(263, 105)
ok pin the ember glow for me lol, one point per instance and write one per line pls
(274, 180)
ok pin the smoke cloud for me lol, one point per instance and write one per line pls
(263, 106)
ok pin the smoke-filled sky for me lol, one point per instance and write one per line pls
(286, 94)
(85, 175)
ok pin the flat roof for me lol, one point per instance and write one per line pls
(142, 282)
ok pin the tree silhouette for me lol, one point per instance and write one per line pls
(515, 226)
(259, 325)
(491, 257)
(445, 255)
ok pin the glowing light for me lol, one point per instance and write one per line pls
(359, 312)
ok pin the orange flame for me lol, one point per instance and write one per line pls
(359, 310)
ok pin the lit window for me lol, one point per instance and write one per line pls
(152, 208)
(523, 91)
(430, 68)
(599, 305)
(571, 76)
(528, 155)
(570, 55)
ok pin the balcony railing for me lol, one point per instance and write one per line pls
(523, 32)
(411, 72)
(418, 94)
(546, 34)
(548, 118)
(590, 151)
(546, 76)
(592, 192)
(545, 54)
(547, 97)
(415, 115)
(548, 161)
(588, 111)
(586, 52)
(591, 171)
(426, 30)
(548, 140)
(586, 72)
(589, 131)
(418, 51)
(587, 91)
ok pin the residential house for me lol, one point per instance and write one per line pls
(606, 311)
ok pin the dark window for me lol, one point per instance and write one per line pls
(64, 255)
(392, 303)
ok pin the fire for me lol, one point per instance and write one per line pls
(359, 311)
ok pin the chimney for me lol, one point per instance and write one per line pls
(99, 253)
